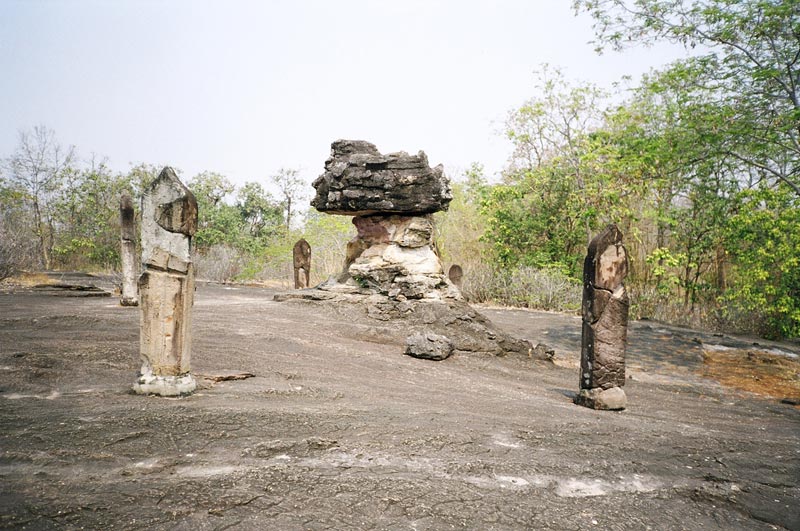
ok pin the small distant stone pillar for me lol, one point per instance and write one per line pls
(166, 287)
(455, 274)
(301, 259)
(130, 292)
(605, 322)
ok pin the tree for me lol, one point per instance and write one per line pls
(259, 211)
(292, 190)
(460, 228)
(765, 242)
(751, 68)
(38, 168)
(218, 221)
(18, 243)
(87, 217)
(561, 182)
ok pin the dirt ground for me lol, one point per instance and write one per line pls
(339, 430)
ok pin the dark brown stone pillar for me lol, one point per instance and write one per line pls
(301, 260)
(605, 322)
(455, 274)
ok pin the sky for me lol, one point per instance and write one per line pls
(244, 88)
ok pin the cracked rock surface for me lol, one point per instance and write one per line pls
(339, 430)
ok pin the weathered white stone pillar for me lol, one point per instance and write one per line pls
(166, 287)
(130, 292)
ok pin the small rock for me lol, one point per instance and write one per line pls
(429, 346)
(542, 352)
(606, 399)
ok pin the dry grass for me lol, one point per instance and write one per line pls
(28, 280)
(755, 371)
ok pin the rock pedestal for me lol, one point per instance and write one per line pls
(391, 198)
(605, 322)
(397, 258)
(166, 287)
(130, 292)
(392, 273)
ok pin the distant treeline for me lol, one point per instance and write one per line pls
(698, 164)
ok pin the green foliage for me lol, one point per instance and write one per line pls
(88, 218)
(248, 224)
(750, 72)
(663, 264)
(765, 242)
(563, 182)
(261, 214)
(459, 229)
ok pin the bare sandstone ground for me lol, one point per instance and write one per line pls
(339, 430)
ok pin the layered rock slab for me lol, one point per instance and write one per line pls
(360, 181)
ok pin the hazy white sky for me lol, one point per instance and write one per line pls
(244, 88)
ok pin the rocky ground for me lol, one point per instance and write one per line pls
(337, 429)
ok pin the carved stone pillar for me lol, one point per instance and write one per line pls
(166, 287)
(605, 322)
(301, 260)
(130, 292)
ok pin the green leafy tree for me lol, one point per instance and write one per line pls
(218, 221)
(749, 53)
(261, 214)
(561, 183)
(765, 241)
(87, 214)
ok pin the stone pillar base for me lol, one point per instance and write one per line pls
(606, 399)
(149, 384)
(129, 301)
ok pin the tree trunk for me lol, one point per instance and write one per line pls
(722, 281)
(43, 249)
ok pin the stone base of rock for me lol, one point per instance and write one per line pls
(394, 256)
(149, 384)
(468, 330)
(128, 301)
(605, 399)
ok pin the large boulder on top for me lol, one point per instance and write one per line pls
(359, 181)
